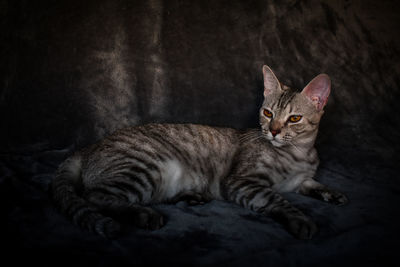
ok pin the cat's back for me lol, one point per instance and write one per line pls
(198, 152)
(163, 141)
(193, 136)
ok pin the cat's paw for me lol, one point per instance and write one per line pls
(148, 218)
(333, 197)
(196, 199)
(302, 227)
(107, 228)
(191, 198)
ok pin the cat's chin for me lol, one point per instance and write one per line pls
(276, 143)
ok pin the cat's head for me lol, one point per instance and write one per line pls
(289, 117)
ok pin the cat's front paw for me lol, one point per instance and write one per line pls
(302, 227)
(191, 198)
(148, 218)
(333, 197)
(107, 228)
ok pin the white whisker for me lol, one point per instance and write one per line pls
(250, 137)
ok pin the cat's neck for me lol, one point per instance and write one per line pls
(302, 148)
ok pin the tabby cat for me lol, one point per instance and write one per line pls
(121, 176)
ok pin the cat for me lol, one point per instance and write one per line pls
(128, 171)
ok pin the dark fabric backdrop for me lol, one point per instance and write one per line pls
(74, 71)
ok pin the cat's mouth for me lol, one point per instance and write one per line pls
(274, 140)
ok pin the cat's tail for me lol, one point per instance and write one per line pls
(65, 192)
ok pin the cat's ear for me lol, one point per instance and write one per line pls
(318, 91)
(271, 83)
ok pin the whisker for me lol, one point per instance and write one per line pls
(251, 138)
(249, 135)
(242, 140)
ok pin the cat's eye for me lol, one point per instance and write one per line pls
(295, 118)
(267, 113)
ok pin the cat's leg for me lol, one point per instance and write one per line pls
(118, 206)
(192, 198)
(256, 194)
(319, 191)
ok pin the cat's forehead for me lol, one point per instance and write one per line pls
(288, 100)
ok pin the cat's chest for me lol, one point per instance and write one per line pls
(287, 172)
(290, 179)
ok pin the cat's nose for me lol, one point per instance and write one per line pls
(275, 132)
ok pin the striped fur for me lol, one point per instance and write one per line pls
(121, 176)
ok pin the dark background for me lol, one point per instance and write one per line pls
(74, 71)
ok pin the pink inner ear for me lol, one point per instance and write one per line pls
(318, 90)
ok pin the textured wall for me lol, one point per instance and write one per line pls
(73, 71)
